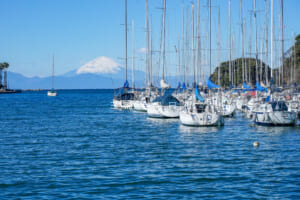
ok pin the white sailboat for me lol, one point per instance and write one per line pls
(123, 97)
(52, 92)
(274, 112)
(196, 112)
(167, 105)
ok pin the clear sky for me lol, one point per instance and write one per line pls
(78, 31)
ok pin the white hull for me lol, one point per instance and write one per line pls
(140, 106)
(265, 115)
(228, 110)
(262, 118)
(51, 94)
(123, 104)
(201, 119)
(283, 118)
(158, 111)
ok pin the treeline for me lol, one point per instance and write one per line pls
(290, 71)
(3, 75)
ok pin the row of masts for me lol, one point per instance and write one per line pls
(198, 68)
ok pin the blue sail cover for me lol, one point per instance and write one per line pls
(267, 99)
(166, 100)
(183, 86)
(271, 82)
(211, 85)
(246, 86)
(260, 88)
(126, 84)
(230, 85)
(179, 85)
(198, 96)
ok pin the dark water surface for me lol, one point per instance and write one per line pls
(74, 146)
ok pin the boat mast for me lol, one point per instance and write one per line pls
(151, 61)
(282, 40)
(242, 38)
(132, 53)
(295, 70)
(198, 43)
(245, 63)
(210, 37)
(272, 24)
(126, 40)
(178, 50)
(261, 59)
(164, 34)
(187, 43)
(52, 71)
(193, 46)
(256, 55)
(219, 46)
(147, 46)
(183, 61)
(267, 47)
(229, 37)
(291, 67)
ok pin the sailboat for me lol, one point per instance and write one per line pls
(273, 112)
(167, 105)
(52, 92)
(123, 97)
(197, 112)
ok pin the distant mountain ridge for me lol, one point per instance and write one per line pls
(72, 80)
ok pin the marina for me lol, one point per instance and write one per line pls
(150, 99)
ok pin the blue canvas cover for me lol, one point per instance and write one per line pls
(211, 85)
(198, 95)
(267, 99)
(183, 86)
(246, 86)
(166, 100)
(260, 88)
(230, 85)
(126, 84)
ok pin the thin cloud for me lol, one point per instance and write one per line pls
(142, 50)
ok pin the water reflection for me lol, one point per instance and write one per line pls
(198, 129)
(277, 130)
(162, 120)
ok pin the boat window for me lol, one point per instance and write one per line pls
(200, 108)
(127, 96)
(279, 106)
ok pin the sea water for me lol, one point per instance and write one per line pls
(75, 146)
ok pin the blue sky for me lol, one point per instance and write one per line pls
(78, 31)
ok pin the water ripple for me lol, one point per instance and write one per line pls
(75, 146)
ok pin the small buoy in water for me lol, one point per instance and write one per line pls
(255, 144)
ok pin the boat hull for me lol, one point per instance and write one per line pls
(51, 94)
(140, 106)
(201, 119)
(158, 111)
(122, 104)
(277, 118)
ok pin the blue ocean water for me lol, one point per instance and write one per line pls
(74, 146)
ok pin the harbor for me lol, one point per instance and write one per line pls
(266, 96)
(150, 99)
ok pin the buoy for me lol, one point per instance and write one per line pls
(255, 144)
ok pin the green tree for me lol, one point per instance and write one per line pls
(5, 66)
(1, 70)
